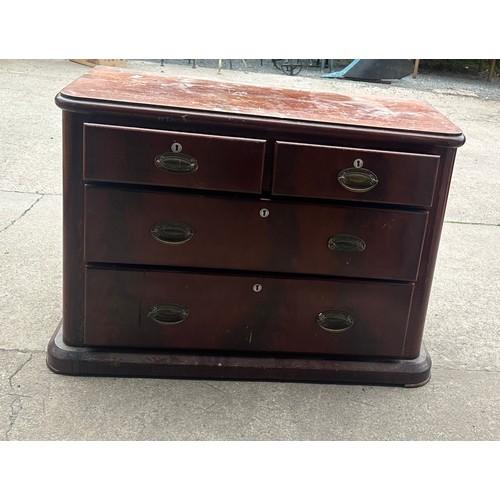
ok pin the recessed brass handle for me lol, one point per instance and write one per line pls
(168, 314)
(346, 243)
(176, 163)
(335, 321)
(357, 180)
(172, 232)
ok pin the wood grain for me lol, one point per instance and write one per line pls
(145, 88)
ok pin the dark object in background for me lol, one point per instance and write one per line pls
(377, 70)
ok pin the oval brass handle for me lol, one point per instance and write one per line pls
(168, 314)
(172, 232)
(335, 321)
(176, 163)
(346, 243)
(357, 180)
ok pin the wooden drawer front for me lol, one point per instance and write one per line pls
(140, 156)
(125, 226)
(174, 310)
(313, 171)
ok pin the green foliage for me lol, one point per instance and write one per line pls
(462, 66)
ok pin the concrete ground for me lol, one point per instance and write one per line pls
(461, 401)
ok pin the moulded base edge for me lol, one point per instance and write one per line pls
(69, 360)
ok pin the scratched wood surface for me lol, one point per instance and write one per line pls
(144, 88)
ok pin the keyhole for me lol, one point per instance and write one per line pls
(257, 287)
(264, 212)
(358, 163)
(176, 147)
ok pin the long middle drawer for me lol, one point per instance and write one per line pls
(156, 228)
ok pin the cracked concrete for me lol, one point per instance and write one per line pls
(19, 368)
(15, 408)
(461, 402)
(6, 198)
(11, 363)
(30, 251)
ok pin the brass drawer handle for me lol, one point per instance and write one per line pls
(176, 163)
(357, 180)
(346, 243)
(172, 232)
(335, 321)
(168, 314)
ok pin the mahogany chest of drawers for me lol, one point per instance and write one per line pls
(232, 231)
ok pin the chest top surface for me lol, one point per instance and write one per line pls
(118, 85)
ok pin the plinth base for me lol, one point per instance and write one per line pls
(68, 360)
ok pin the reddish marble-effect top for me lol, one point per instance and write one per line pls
(144, 88)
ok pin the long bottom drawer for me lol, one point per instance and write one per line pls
(180, 310)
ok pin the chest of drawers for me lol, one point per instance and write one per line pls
(232, 231)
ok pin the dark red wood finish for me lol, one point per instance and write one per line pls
(276, 149)
(312, 171)
(170, 363)
(227, 314)
(232, 234)
(111, 85)
(125, 154)
(73, 224)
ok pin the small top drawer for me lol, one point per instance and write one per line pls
(339, 173)
(177, 159)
